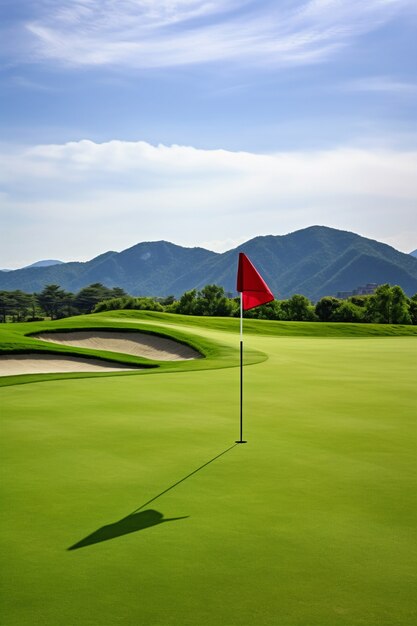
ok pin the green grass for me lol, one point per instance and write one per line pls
(21, 339)
(311, 523)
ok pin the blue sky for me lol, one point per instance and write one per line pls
(204, 122)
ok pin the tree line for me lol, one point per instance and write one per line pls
(53, 302)
(388, 305)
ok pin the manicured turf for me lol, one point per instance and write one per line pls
(311, 523)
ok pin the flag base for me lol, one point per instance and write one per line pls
(241, 441)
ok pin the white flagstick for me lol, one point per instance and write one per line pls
(241, 370)
(241, 316)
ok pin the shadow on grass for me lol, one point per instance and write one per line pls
(130, 524)
(185, 478)
(138, 519)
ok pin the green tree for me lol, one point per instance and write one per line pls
(270, 311)
(413, 308)
(88, 297)
(300, 309)
(326, 307)
(187, 302)
(128, 302)
(378, 307)
(18, 306)
(117, 292)
(55, 301)
(348, 312)
(7, 304)
(400, 313)
(212, 300)
(166, 301)
(23, 304)
(388, 305)
(359, 300)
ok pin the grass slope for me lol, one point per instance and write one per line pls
(194, 330)
(309, 524)
(18, 339)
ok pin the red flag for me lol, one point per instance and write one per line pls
(254, 289)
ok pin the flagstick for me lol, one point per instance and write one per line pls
(241, 370)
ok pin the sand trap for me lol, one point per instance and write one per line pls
(137, 344)
(14, 364)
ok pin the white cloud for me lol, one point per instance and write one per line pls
(84, 198)
(151, 33)
(381, 84)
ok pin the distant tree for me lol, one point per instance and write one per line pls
(55, 301)
(412, 309)
(88, 297)
(18, 306)
(359, 300)
(270, 311)
(186, 304)
(128, 302)
(388, 305)
(14, 305)
(212, 300)
(348, 312)
(7, 304)
(23, 305)
(378, 306)
(35, 312)
(300, 309)
(167, 301)
(400, 313)
(117, 292)
(326, 307)
(113, 304)
(4, 305)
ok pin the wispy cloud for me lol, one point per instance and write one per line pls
(381, 84)
(162, 33)
(125, 192)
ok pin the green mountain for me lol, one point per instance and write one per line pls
(315, 261)
(145, 269)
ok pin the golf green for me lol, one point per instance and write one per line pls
(113, 513)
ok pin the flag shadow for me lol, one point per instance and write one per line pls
(138, 519)
(185, 478)
(130, 524)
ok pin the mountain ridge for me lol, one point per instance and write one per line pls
(314, 261)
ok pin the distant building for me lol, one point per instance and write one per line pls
(363, 290)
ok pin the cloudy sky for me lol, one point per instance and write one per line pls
(204, 122)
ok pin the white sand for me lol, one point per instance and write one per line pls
(136, 343)
(14, 364)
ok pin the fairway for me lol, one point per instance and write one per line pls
(126, 502)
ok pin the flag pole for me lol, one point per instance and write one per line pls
(253, 292)
(241, 370)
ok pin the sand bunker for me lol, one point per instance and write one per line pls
(137, 344)
(14, 364)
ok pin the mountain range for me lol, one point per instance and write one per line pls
(44, 263)
(314, 261)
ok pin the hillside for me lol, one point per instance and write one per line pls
(315, 261)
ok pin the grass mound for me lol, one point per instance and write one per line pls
(22, 339)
